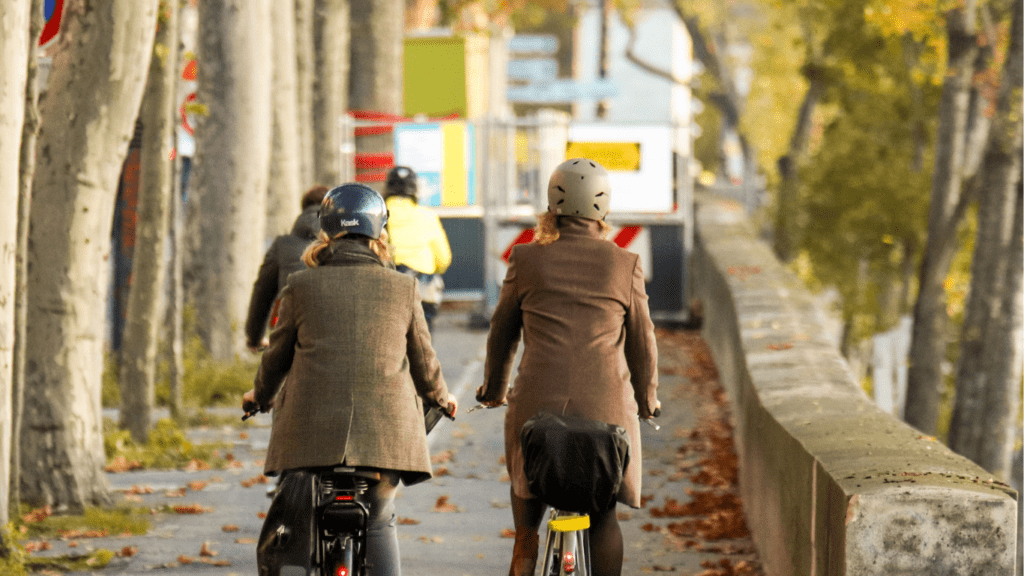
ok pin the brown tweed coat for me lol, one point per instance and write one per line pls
(352, 358)
(580, 306)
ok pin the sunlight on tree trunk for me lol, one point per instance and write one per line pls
(285, 187)
(26, 172)
(88, 119)
(14, 53)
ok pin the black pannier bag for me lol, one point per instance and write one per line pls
(286, 541)
(574, 464)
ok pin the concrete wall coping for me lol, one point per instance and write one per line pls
(831, 483)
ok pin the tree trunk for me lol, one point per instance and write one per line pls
(149, 268)
(285, 188)
(330, 85)
(1002, 360)
(304, 79)
(928, 340)
(376, 78)
(976, 431)
(14, 54)
(27, 170)
(789, 170)
(88, 119)
(228, 199)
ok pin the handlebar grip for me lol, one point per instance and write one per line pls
(657, 412)
(250, 409)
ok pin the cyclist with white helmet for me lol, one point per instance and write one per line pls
(578, 303)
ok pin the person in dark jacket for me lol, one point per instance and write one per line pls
(283, 257)
(350, 366)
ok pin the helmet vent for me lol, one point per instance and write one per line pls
(592, 165)
(560, 189)
(599, 194)
(596, 207)
(562, 201)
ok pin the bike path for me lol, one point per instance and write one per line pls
(459, 523)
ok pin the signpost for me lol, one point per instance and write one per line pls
(561, 91)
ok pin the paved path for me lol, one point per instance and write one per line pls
(471, 536)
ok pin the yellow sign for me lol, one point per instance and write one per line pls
(620, 156)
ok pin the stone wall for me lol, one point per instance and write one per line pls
(831, 484)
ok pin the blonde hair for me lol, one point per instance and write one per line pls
(312, 256)
(547, 232)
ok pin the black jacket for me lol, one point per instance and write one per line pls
(283, 258)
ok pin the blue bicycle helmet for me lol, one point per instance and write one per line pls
(353, 208)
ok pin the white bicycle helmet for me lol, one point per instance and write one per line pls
(580, 187)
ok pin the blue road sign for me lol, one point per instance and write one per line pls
(533, 43)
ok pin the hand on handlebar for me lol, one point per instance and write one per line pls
(488, 404)
(250, 406)
(452, 407)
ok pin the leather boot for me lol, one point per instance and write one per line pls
(524, 554)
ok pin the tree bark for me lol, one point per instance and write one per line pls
(26, 172)
(305, 73)
(1002, 360)
(988, 337)
(88, 118)
(331, 85)
(789, 168)
(929, 336)
(285, 188)
(14, 58)
(228, 198)
(149, 269)
(376, 79)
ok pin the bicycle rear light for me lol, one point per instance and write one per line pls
(345, 498)
(569, 562)
(342, 571)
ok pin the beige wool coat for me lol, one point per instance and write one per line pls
(580, 307)
(352, 357)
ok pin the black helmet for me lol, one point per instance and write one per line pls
(401, 181)
(353, 208)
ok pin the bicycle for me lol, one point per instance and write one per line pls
(317, 523)
(567, 544)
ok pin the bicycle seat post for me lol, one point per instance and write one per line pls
(567, 549)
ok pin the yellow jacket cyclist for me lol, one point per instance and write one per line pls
(419, 242)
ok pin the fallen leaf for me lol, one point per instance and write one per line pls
(407, 521)
(508, 533)
(261, 515)
(182, 559)
(191, 509)
(245, 541)
(37, 546)
(229, 528)
(196, 465)
(196, 485)
(205, 550)
(442, 505)
(442, 457)
(37, 515)
(128, 551)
